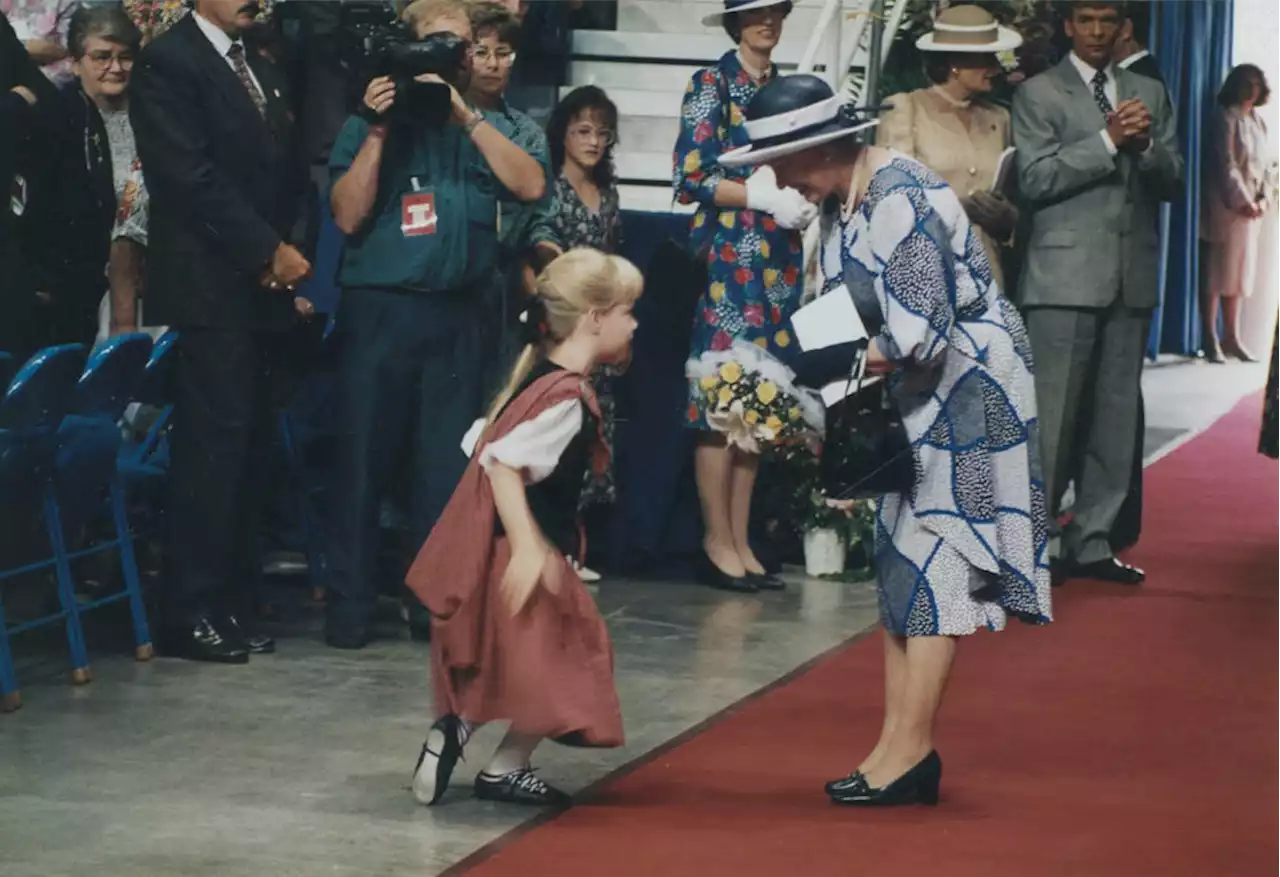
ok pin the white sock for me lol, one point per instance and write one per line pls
(513, 754)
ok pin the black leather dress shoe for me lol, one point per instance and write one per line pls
(713, 576)
(256, 642)
(349, 637)
(766, 582)
(917, 786)
(207, 640)
(1109, 570)
(520, 787)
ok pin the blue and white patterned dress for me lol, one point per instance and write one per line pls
(969, 546)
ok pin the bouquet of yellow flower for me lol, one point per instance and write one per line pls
(753, 400)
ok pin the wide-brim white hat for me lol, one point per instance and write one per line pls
(968, 29)
(792, 114)
(731, 6)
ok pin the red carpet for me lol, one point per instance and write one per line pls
(1135, 736)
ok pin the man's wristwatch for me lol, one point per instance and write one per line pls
(471, 124)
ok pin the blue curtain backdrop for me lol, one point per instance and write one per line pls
(1191, 40)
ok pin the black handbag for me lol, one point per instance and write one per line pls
(866, 452)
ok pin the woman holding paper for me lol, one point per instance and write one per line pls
(964, 546)
(951, 129)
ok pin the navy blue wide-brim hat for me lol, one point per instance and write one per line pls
(794, 113)
(731, 6)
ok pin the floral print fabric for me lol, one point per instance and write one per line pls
(754, 267)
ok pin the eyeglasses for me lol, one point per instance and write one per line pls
(503, 57)
(590, 132)
(104, 59)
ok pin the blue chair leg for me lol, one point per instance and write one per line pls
(129, 565)
(66, 589)
(10, 698)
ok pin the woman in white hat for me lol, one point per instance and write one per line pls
(964, 546)
(951, 129)
(745, 233)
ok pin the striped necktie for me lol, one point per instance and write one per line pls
(236, 54)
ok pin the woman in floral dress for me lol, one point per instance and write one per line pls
(583, 211)
(745, 231)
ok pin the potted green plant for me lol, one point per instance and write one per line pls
(830, 529)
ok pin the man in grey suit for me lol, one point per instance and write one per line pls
(1096, 156)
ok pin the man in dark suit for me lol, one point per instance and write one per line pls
(25, 97)
(1130, 53)
(213, 131)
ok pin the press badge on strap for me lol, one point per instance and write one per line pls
(418, 213)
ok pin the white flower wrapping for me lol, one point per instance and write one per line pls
(731, 420)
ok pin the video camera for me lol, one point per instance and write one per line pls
(375, 43)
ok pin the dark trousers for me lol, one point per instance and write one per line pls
(409, 387)
(230, 387)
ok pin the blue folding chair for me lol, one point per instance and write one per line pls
(85, 467)
(147, 456)
(7, 366)
(31, 411)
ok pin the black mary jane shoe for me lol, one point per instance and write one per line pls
(845, 784)
(520, 787)
(440, 754)
(713, 576)
(917, 786)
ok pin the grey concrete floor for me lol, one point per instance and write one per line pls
(299, 763)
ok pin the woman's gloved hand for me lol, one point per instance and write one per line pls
(787, 206)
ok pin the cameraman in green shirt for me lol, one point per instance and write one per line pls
(419, 205)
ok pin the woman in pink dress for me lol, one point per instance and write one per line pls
(1236, 199)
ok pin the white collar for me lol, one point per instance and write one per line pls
(215, 35)
(1133, 59)
(1087, 72)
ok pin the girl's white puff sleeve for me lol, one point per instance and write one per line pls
(535, 446)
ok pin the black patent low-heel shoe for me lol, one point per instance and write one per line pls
(917, 786)
(845, 784)
(713, 576)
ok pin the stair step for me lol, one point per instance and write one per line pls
(650, 199)
(696, 48)
(685, 17)
(652, 167)
(649, 133)
(634, 103)
(611, 75)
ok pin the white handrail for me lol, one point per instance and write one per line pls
(809, 58)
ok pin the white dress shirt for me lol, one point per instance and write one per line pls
(222, 44)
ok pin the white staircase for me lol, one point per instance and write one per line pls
(646, 63)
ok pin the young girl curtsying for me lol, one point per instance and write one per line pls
(515, 635)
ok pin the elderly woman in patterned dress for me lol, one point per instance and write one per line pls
(965, 547)
(744, 231)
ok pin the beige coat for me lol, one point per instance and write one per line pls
(1235, 177)
(959, 144)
